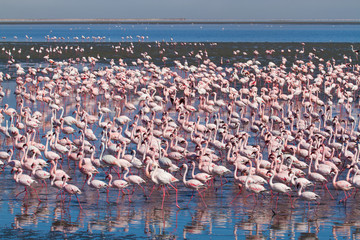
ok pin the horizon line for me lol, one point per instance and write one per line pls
(174, 21)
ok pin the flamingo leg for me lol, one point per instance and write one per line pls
(57, 195)
(328, 191)
(46, 188)
(129, 195)
(236, 196)
(63, 200)
(20, 192)
(152, 190)
(292, 206)
(84, 182)
(355, 192)
(118, 196)
(26, 193)
(345, 198)
(202, 198)
(162, 205)
(35, 193)
(118, 173)
(225, 180)
(107, 195)
(190, 198)
(78, 201)
(143, 189)
(176, 194)
(69, 200)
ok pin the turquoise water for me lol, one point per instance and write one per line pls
(181, 32)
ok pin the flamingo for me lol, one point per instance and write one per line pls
(308, 196)
(71, 190)
(193, 184)
(134, 179)
(219, 170)
(254, 188)
(203, 177)
(341, 185)
(96, 184)
(9, 111)
(162, 178)
(26, 181)
(279, 188)
(57, 174)
(118, 184)
(40, 174)
(50, 155)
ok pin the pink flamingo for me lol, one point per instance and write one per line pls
(317, 177)
(97, 184)
(203, 177)
(193, 184)
(71, 190)
(279, 188)
(254, 188)
(26, 181)
(134, 179)
(118, 184)
(50, 155)
(57, 174)
(308, 196)
(342, 185)
(9, 111)
(162, 178)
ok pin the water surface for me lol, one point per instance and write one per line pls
(143, 217)
(180, 32)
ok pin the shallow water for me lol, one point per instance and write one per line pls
(180, 32)
(143, 217)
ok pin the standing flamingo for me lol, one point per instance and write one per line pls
(193, 184)
(161, 177)
(97, 184)
(308, 196)
(71, 190)
(134, 179)
(26, 181)
(279, 188)
(342, 185)
(118, 184)
(254, 188)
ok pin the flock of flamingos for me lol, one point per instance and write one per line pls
(133, 128)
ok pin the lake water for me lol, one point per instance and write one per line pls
(245, 218)
(181, 32)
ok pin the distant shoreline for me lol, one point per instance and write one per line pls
(170, 21)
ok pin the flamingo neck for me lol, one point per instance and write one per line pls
(110, 180)
(147, 172)
(193, 170)
(126, 174)
(89, 179)
(235, 172)
(185, 173)
(300, 190)
(271, 180)
(334, 179)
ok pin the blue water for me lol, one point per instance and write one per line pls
(182, 32)
(143, 218)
